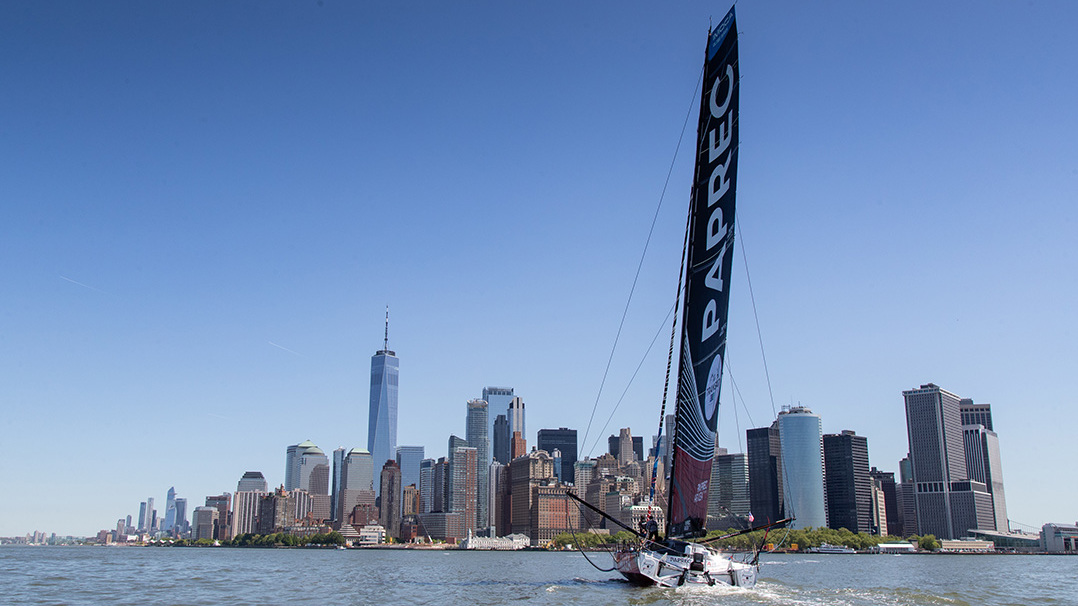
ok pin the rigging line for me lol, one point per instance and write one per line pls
(647, 242)
(737, 389)
(756, 316)
(733, 396)
(576, 541)
(632, 378)
(763, 356)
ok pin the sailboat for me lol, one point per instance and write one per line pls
(676, 559)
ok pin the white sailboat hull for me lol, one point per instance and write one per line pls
(696, 565)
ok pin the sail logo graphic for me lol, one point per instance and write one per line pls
(718, 186)
(701, 492)
(711, 392)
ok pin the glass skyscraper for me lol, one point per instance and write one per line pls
(382, 422)
(477, 425)
(563, 439)
(170, 510)
(498, 399)
(800, 438)
(409, 459)
(516, 417)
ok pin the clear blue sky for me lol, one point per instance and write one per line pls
(206, 207)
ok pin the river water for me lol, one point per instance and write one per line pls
(174, 576)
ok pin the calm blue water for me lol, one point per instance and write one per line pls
(174, 576)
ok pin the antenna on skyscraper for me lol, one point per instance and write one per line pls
(385, 345)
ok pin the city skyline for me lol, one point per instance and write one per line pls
(203, 230)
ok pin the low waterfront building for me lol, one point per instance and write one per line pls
(893, 547)
(372, 534)
(349, 533)
(508, 543)
(1060, 538)
(966, 545)
(1025, 542)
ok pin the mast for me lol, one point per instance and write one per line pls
(707, 268)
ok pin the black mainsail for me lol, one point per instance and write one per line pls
(707, 285)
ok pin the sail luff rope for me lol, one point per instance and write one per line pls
(654, 220)
(737, 422)
(666, 382)
(763, 357)
(755, 315)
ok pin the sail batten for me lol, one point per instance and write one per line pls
(706, 293)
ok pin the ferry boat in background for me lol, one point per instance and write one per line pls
(828, 548)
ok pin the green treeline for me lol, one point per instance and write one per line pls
(279, 539)
(805, 538)
(780, 538)
(590, 540)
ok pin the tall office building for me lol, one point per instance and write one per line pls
(496, 473)
(336, 481)
(563, 439)
(170, 510)
(309, 469)
(409, 501)
(358, 472)
(356, 483)
(426, 486)
(292, 460)
(382, 422)
(985, 466)
(800, 438)
(948, 502)
(983, 462)
(975, 414)
(518, 446)
(409, 459)
(500, 440)
(515, 415)
(937, 455)
(455, 442)
(276, 511)
(847, 481)
(892, 503)
(906, 493)
(245, 511)
(464, 496)
(390, 495)
(766, 486)
(146, 516)
(526, 474)
(728, 500)
(181, 526)
(440, 485)
(498, 399)
(477, 427)
(252, 481)
(635, 445)
(625, 452)
(223, 504)
(583, 473)
(141, 517)
(206, 523)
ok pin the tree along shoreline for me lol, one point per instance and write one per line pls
(279, 539)
(780, 538)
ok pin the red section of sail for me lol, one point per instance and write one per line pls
(689, 497)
